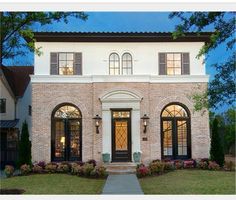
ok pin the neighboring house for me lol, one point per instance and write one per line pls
(125, 78)
(15, 108)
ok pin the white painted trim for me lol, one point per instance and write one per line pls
(119, 78)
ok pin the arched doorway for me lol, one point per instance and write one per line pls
(66, 143)
(175, 132)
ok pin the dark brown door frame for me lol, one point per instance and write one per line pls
(129, 139)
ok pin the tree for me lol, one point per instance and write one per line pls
(24, 146)
(222, 89)
(216, 151)
(16, 25)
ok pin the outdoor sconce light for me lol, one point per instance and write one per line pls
(97, 119)
(145, 119)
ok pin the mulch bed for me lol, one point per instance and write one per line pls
(11, 191)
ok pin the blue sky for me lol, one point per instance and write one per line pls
(129, 21)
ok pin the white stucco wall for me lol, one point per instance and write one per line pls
(96, 56)
(10, 103)
(22, 108)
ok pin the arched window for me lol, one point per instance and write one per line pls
(127, 65)
(175, 132)
(66, 133)
(114, 64)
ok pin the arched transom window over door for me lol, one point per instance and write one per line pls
(66, 144)
(175, 132)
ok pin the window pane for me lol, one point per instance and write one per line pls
(178, 71)
(69, 64)
(177, 56)
(62, 63)
(170, 64)
(67, 112)
(2, 105)
(167, 138)
(70, 56)
(177, 64)
(60, 140)
(121, 114)
(170, 56)
(62, 56)
(74, 138)
(170, 71)
(182, 137)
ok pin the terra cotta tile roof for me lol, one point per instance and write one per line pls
(18, 78)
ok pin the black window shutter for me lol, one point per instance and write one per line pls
(54, 63)
(162, 63)
(78, 63)
(185, 63)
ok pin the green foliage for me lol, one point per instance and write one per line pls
(9, 171)
(24, 146)
(216, 151)
(222, 88)
(25, 169)
(18, 25)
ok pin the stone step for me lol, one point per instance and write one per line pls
(121, 168)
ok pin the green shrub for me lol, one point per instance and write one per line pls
(168, 166)
(156, 167)
(87, 168)
(51, 167)
(25, 169)
(37, 169)
(63, 168)
(9, 171)
(24, 146)
(101, 171)
(216, 151)
(202, 164)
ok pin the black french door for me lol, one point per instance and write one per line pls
(175, 138)
(121, 136)
(66, 140)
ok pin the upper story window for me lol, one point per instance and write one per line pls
(174, 64)
(2, 105)
(127, 64)
(114, 64)
(126, 67)
(65, 63)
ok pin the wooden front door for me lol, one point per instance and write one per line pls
(121, 136)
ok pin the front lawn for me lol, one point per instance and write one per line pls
(54, 184)
(190, 182)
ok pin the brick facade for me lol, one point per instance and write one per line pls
(155, 96)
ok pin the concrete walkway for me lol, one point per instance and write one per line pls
(122, 184)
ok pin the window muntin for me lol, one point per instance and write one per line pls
(67, 111)
(66, 63)
(127, 64)
(114, 64)
(173, 63)
(2, 105)
(174, 111)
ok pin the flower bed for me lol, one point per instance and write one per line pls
(157, 167)
(88, 169)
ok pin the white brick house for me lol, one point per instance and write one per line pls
(121, 77)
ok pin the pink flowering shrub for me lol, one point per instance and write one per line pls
(168, 166)
(142, 171)
(37, 168)
(178, 164)
(188, 164)
(213, 165)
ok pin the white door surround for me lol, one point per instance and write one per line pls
(120, 99)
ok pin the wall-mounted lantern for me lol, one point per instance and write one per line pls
(145, 119)
(97, 119)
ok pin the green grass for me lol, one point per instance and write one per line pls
(54, 184)
(190, 182)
